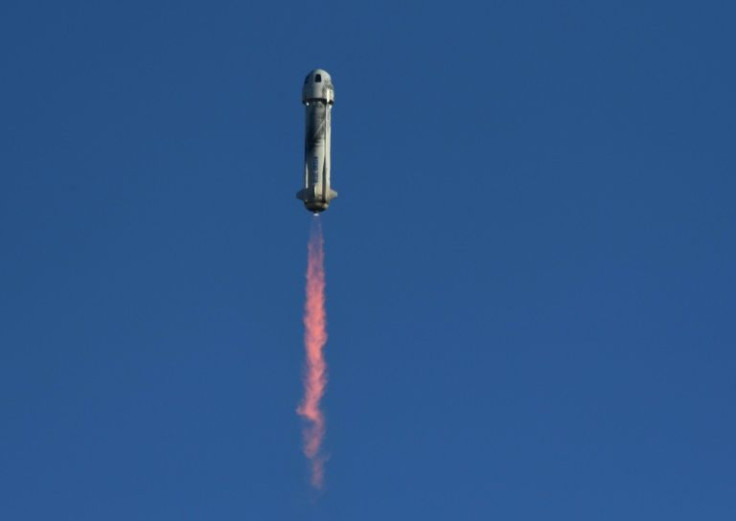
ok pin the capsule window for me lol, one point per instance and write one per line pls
(317, 78)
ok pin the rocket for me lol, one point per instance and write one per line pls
(318, 96)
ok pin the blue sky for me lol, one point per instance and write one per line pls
(530, 266)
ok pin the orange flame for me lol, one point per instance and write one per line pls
(315, 337)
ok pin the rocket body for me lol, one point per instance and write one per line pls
(318, 96)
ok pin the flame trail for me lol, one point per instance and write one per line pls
(315, 337)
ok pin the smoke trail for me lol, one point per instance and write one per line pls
(315, 337)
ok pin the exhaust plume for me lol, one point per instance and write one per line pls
(315, 337)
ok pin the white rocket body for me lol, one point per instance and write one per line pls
(318, 96)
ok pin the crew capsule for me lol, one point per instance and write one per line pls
(318, 96)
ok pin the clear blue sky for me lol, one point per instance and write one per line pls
(530, 266)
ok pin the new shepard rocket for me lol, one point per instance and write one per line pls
(318, 95)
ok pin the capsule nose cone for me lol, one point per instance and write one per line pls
(324, 75)
(318, 86)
